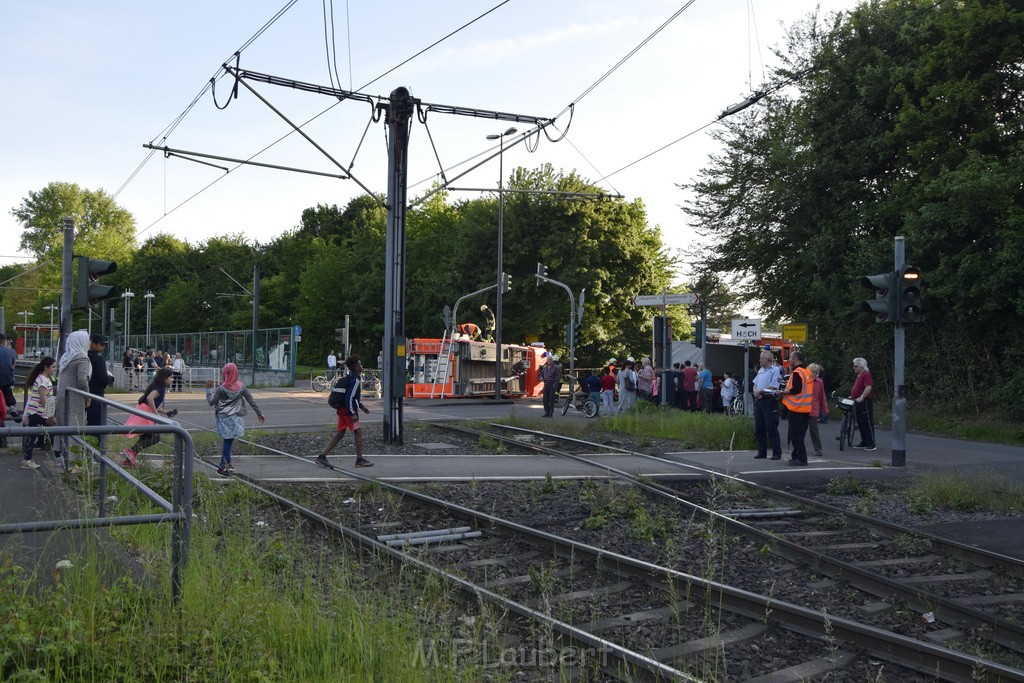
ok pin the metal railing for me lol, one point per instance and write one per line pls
(178, 511)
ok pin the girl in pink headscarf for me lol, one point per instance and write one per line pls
(229, 401)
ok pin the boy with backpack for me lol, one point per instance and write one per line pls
(346, 399)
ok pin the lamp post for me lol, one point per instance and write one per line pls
(501, 225)
(51, 308)
(127, 296)
(149, 311)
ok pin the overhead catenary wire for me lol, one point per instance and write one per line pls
(167, 130)
(289, 133)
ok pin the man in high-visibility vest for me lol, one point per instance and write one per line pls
(470, 330)
(797, 397)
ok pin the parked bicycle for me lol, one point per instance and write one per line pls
(849, 423)
(321, 382)
(735, 407)
(371, 382)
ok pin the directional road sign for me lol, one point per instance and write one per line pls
(746, 329)
(669, 300)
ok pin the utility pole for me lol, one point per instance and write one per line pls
(398, 111)
(398, 115)
(255, 315)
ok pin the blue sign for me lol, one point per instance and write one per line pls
(298, 330)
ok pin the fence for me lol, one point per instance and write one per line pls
(206, 352)
(178, 511)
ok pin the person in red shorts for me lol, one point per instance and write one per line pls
(348, 414)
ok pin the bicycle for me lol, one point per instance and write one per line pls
(735, 407)
(849, 423)
(321, 382)
(580, 401)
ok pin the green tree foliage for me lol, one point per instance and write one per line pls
(102, 228)
(905, 119)
(721, 300)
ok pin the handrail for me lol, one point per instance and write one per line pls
(178, 511)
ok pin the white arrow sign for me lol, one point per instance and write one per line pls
(746, 329)
(668, 300)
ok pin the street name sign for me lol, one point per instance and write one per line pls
(747, 329)
(795, 332)
(669, 300)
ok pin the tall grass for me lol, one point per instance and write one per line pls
(975, 428)
(955, 491)
(699, 431)
(257, 605)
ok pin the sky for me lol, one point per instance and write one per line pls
(88, 84)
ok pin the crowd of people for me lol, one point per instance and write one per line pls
(142, 366)
(615, 389)
(688, 386)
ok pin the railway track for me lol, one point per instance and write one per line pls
(621, 616)
(965, 594)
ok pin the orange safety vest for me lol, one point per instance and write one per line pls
(799, 403)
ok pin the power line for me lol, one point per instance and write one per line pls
(622, 61)
(289, 133)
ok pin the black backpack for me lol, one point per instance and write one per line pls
(336, 398)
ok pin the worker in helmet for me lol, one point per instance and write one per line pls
(488, 314)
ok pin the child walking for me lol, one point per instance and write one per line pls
(229, 401)
(151, 401)
(41, 407)
(348, 414)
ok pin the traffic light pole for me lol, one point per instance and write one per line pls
(899, 394)
(66, 283)
(572, 325)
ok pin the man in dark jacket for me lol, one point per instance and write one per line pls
(100, 379)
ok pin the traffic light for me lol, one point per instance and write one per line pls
(577, 332)
(89, 289)
(339, 335)
(114, 326)
(542, 271)
(698, 334)
(910, 294)
(885, 305)
(506, 283)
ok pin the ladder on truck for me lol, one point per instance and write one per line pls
(443, 366)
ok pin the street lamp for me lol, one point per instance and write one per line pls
(149, 310)
(51, 308)
(501, 225)
(26, 314)
(127, 296)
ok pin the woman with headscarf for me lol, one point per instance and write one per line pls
(73, 371)
(229, 401)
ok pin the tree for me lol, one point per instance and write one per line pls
(102, 228)
(905, 118)
(721, 302)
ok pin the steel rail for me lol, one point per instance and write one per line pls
(997, 629)
(921, 656)
(971, 554)
(651, 669)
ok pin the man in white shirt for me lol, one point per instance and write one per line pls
(766, 407)
(332, 365)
